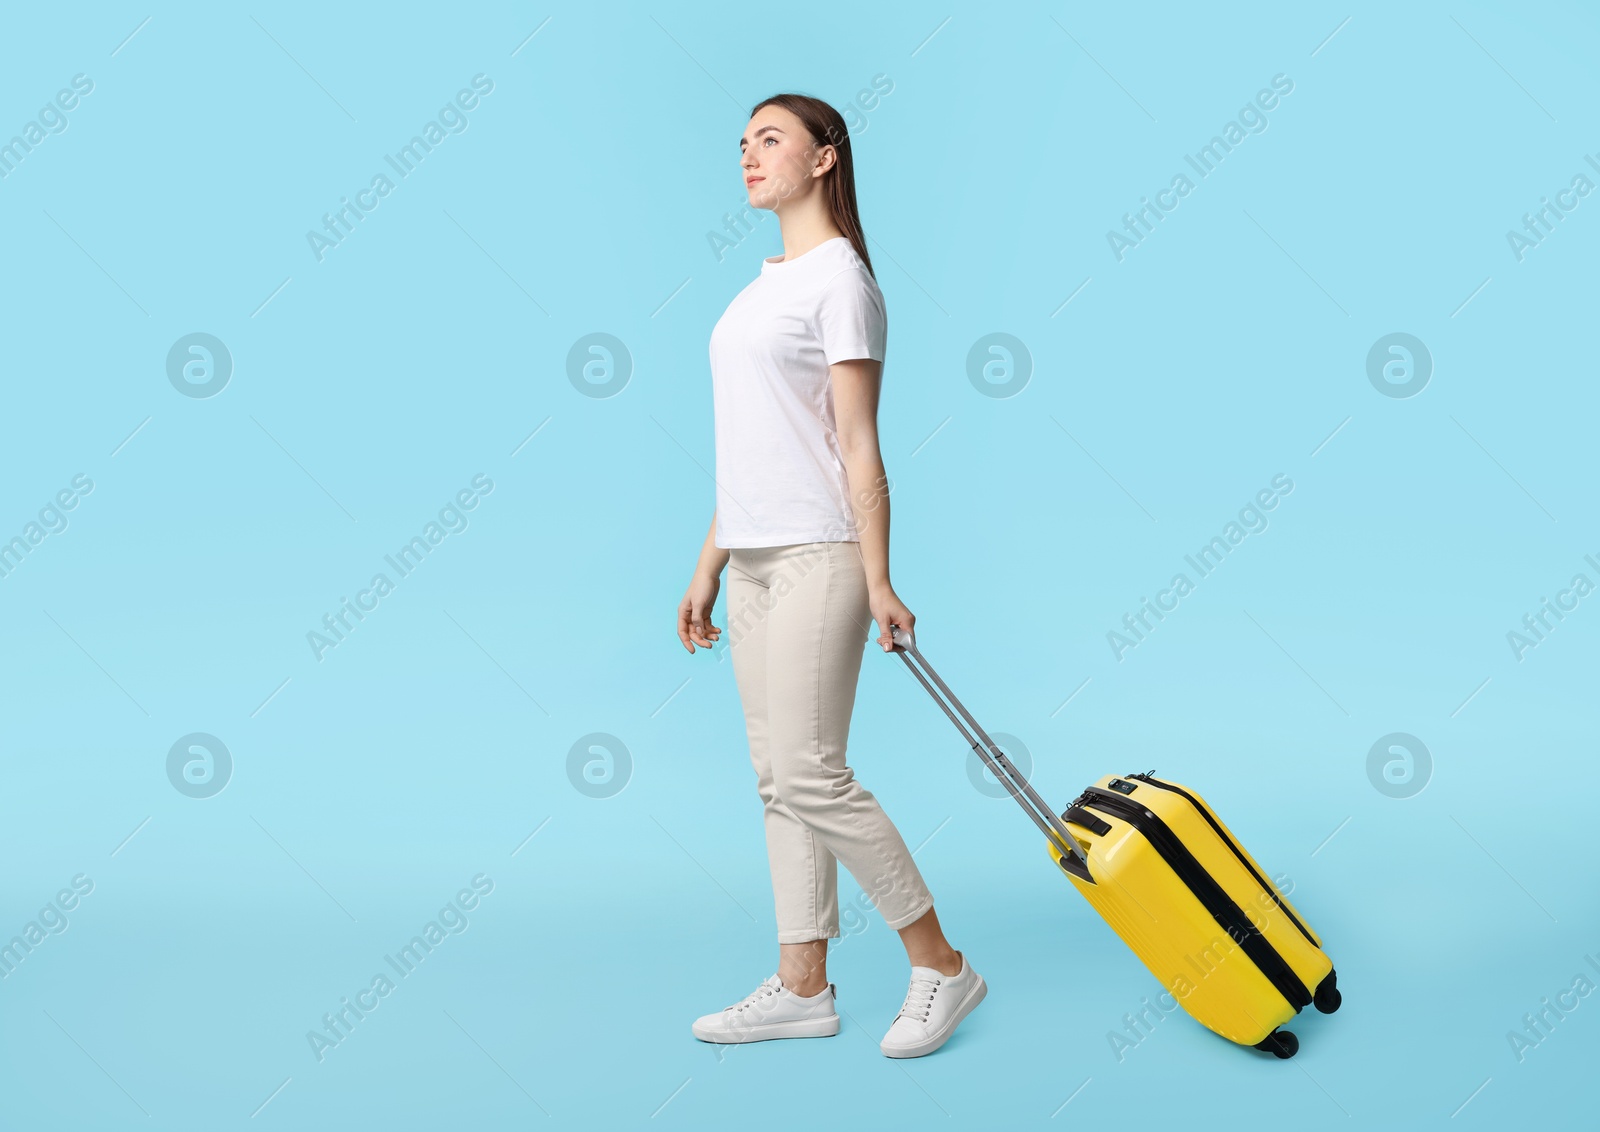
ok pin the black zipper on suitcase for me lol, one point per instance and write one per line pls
(1271, 890)
(1211, 895)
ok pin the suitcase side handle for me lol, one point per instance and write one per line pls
(994, 758)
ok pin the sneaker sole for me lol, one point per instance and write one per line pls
(796, 1028)
(968, 1004)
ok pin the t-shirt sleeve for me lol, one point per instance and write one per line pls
(851, 321)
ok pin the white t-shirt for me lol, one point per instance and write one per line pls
(780, 476)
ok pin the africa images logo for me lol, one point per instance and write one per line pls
(452, 519)
(337, 225)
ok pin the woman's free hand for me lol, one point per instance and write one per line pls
(694, 613)
(888, 609)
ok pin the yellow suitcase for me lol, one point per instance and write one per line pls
(1173, 882)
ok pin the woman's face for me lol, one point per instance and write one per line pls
(778, 158)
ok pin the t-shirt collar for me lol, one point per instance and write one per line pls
(780, 264)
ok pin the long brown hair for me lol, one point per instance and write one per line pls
(826, 126)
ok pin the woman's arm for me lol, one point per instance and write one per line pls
(694, 611)
(712, 557)
(855, 409)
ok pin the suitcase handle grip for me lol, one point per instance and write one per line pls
(1000, 766)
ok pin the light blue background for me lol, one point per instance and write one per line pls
(431, 745)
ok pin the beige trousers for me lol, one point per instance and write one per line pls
(798, 623)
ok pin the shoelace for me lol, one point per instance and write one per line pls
(919, 998)
(752, 998)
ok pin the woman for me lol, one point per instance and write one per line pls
(802, 523)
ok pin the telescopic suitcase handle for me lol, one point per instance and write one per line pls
(1000, 766)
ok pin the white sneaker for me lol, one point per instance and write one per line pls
(934, 1006)
(772, 1010)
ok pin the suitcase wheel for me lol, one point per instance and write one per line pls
(1327, 998)
(1280, 1044)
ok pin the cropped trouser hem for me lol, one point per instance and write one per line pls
(799, 619)
(802, 936)
(911, 917)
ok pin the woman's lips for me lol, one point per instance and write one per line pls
(753, 180)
